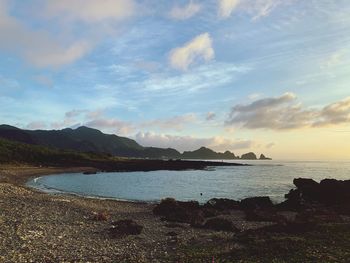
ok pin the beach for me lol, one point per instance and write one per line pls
(40, 227)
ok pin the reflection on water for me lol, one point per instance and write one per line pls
(270, 178)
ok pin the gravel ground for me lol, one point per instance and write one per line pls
(39, 227)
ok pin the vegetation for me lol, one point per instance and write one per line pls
(15, 152)
(84, 139)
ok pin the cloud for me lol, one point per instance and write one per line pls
(8, 84)
(270, 145)
(185, 12)
(255, 8)
(226, 7)
(285, 112)
(43, 49)
(44, 80)
(37, 46)
(206, 76)
(189, 143)
(199, 48)
(90, 11)
(210, 116)
(173, 123)
(35, 125)
(74, 113)
(334, 59)
(111, 124)
(334, 113)
(262, 8)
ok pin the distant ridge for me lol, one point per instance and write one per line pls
(85, 139)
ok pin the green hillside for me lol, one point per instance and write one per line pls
(85, 139)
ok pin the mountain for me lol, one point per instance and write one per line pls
(206, 153)
(84, 139)
(89, 140)
(249, 156)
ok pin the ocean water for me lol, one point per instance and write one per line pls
(262, 178)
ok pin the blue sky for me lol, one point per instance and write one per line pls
(228, 74)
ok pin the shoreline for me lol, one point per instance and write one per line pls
(42, 227)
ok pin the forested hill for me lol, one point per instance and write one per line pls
(85, 139)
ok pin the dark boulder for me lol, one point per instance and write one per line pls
(334, 191)
(309, 189)
(252, 203)
(329, 192)
(125, 227)
(222, 204)
(302, 183)
(177, 211)
(220, 224)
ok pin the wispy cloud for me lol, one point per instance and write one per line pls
(43, 48)
(255, 8)
(199, 48)
(226, 7)
(172, 123)
(90, 11)
(211, 75)
(35, 125)
(189, 143)
(285, 112)
(185, 12)
(210, 116)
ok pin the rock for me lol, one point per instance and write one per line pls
(309, 193)
(263, 157)
(125, 227)
(292, 204)
(101, 216)
(334, 192)
(89, 172)
(222, 204)
(302, 183)
(176, 211)
(220, 224)
(249, 156)
(252, 203)
(309, 189)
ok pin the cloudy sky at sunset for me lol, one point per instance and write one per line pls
(269, 76)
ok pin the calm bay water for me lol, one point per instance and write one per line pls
(272, 178)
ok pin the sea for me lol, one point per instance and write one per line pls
(261, 178)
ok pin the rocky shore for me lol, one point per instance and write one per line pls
(37, 227)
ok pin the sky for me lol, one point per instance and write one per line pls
(269, 76)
